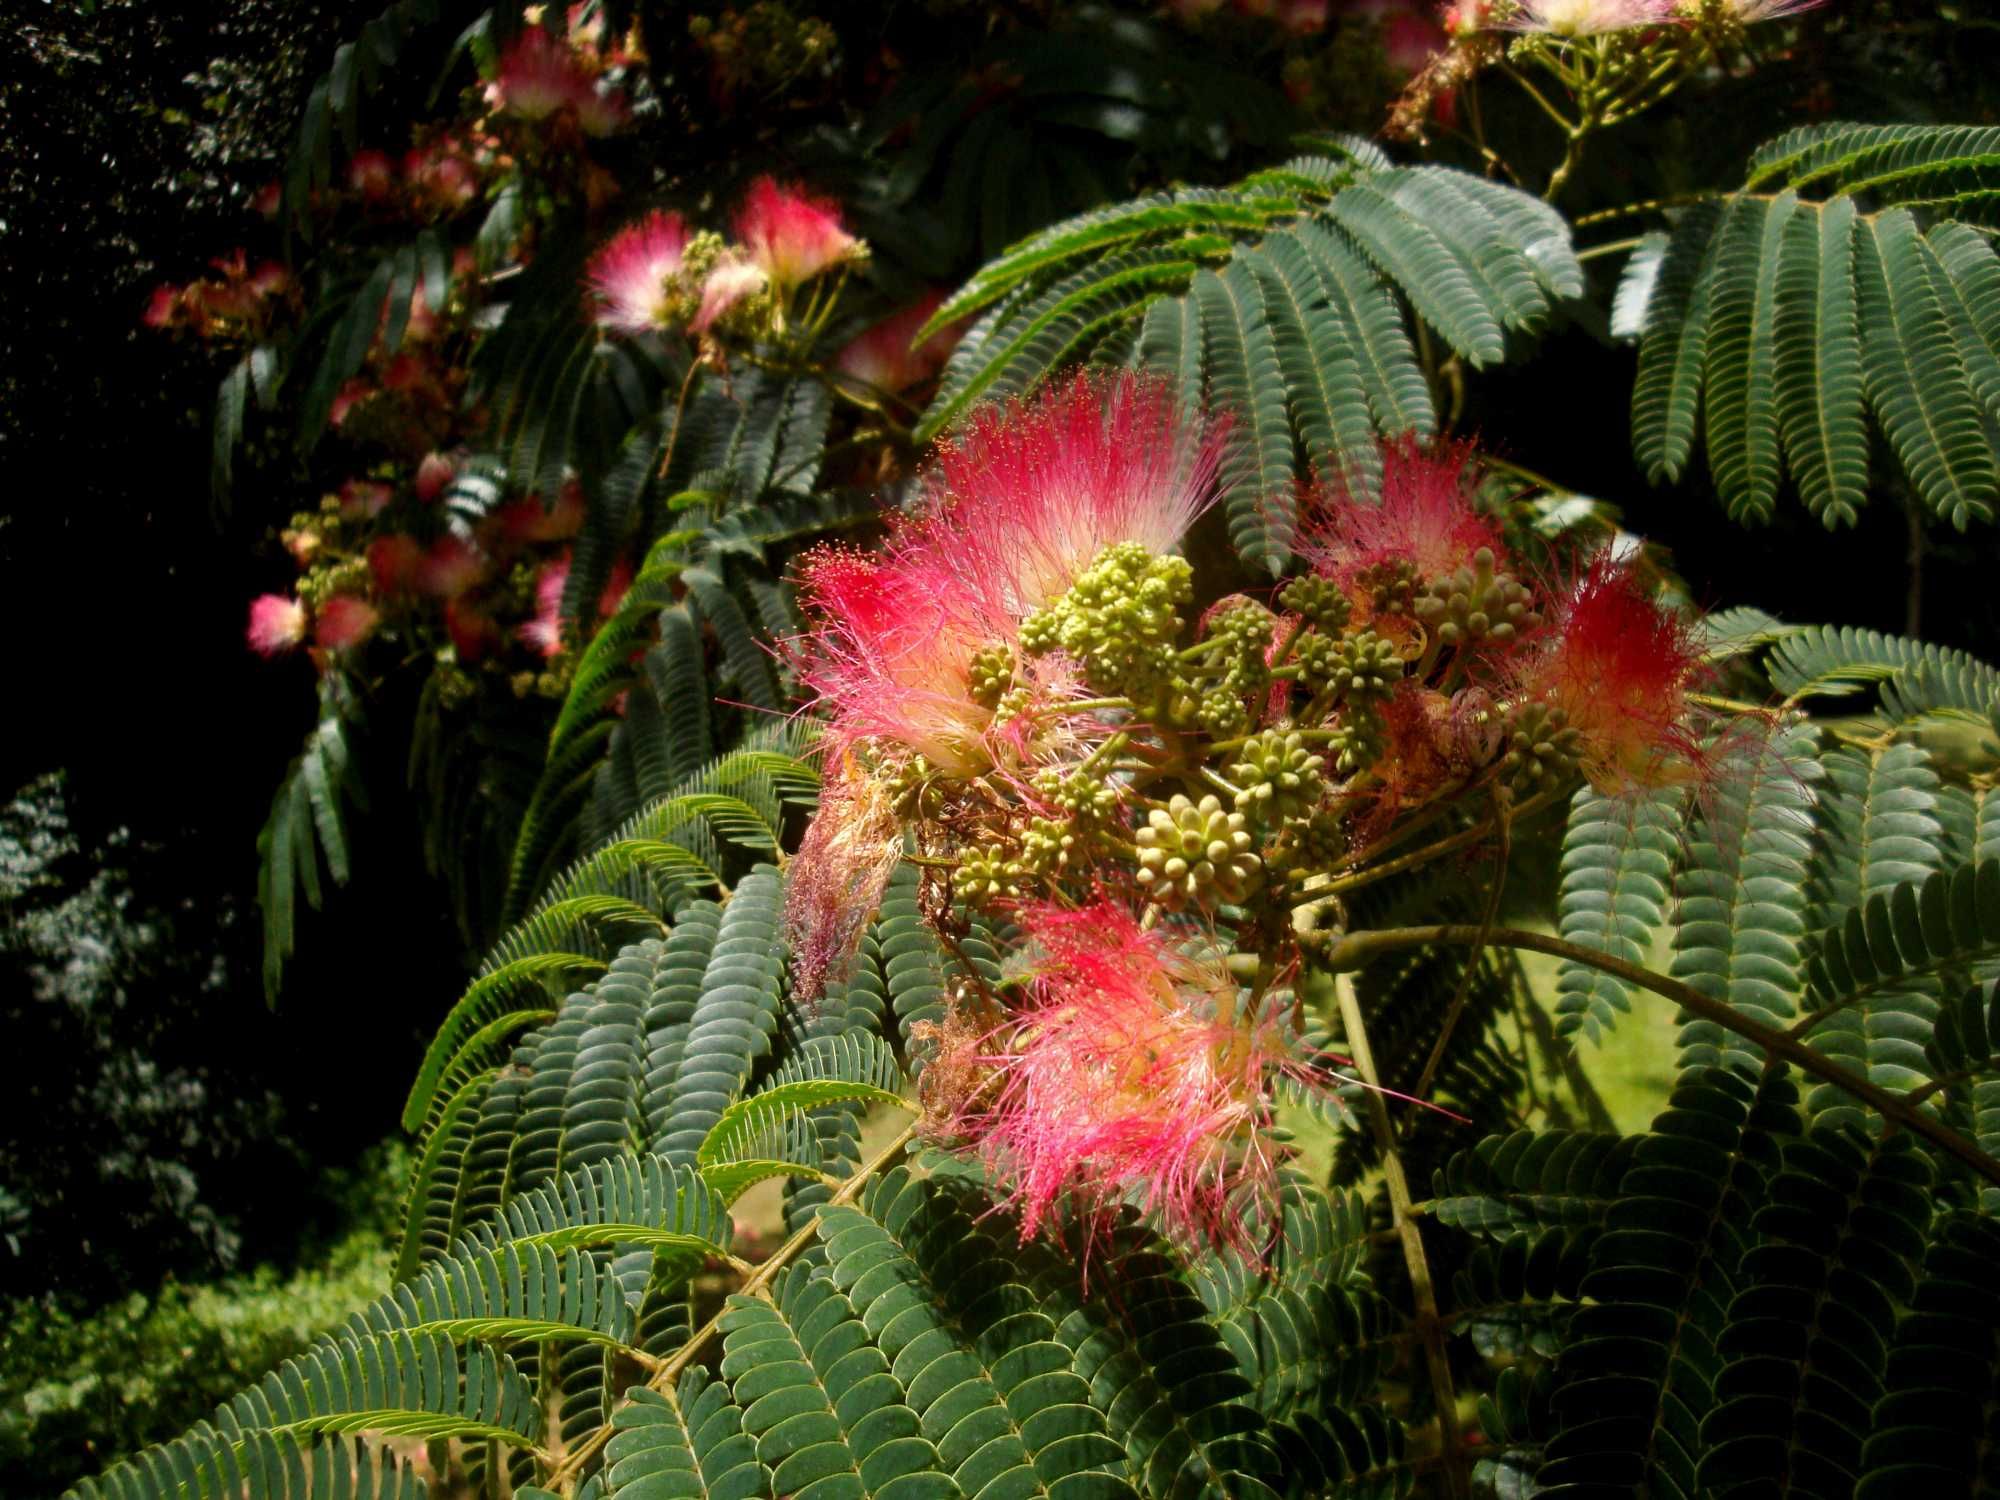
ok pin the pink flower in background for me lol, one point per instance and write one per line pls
(544, 632)
(163, 307)
(344, 622)
(789, 235)
(884, 357)
(270, 197)
(1303, 17)
(1129, 1077)
(728, 282)
(450, 567)
(835, 882)
(442, 178)
(395, 562)
(371, 174)
(602, 111)
(433, 474)
(277, 624)
(528, 520)
(350, 395)
(1030, 493)
(629, 276)
(473, 632)
(537, 77)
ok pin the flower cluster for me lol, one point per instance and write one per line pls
(656, 273)
(237, 303)
(1019, 694)
(541, 79)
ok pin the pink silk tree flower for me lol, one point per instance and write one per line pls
(371, 174)
(729, 281)
(1129, 1076)
(528, 520)
(885, 357)
(790, 235)
(395, 561)
(277, 624)
(344, 622)
(1618, 667)
(1573, 18)
(629, 278)
(1425, 516)
(537, 78)
(1030, 493)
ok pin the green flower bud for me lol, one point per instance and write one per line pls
(983, 876)
(1359, 739)
(1119, 620)
(1476, 603)
(992, 675)
(1360, 668)
(1191, 851)
(1081, 794)
(1543, 748)
(1047, 848)
(1280, 778)
(1319, 600)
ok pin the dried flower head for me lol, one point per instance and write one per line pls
(836, 880)
(790, 235)
(631, 277)
(1618, 667)
(1130, 1077)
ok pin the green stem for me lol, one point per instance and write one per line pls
(1429, 1327)
(1358, 948)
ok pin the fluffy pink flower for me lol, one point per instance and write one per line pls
(836, 880)
(363, 497)
(277, 624)
(601, 111)
(350, 395)
(1570, 18)
(1030, 493)
(728, 282)
(545, 631)
(537, 77)
(344, 622)
(433, 474)
(890, 656)
(629, 276)
(1128, 1077)
(163, 307)
(443, 180)
(885, 356)
(789, 235)
(1425, 516)
(1619, 667)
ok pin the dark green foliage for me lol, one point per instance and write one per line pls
(1791, 318)
(1276, 301)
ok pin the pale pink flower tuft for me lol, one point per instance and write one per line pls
(1572, 18)
(790, 235)
(1030, 493)
(277, 624)
(545, 631)
(835, 881)
(729, 281)
(1129, 1077)
(629, 277)
(884, 356)
(344, 622)
(537, 78)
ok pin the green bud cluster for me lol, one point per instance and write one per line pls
(914, 790)
(1391, 585)
(1047, 848)
(1239, 639)
(1476, 603)
(1191, 851)
(1543, 748)
(1119, 621)
(1280, 778)
(985, 875)
(1359, 739)
(1321, 602)
(1080, 793)
(1358, 669)
(992, 674)
(1221, 711)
